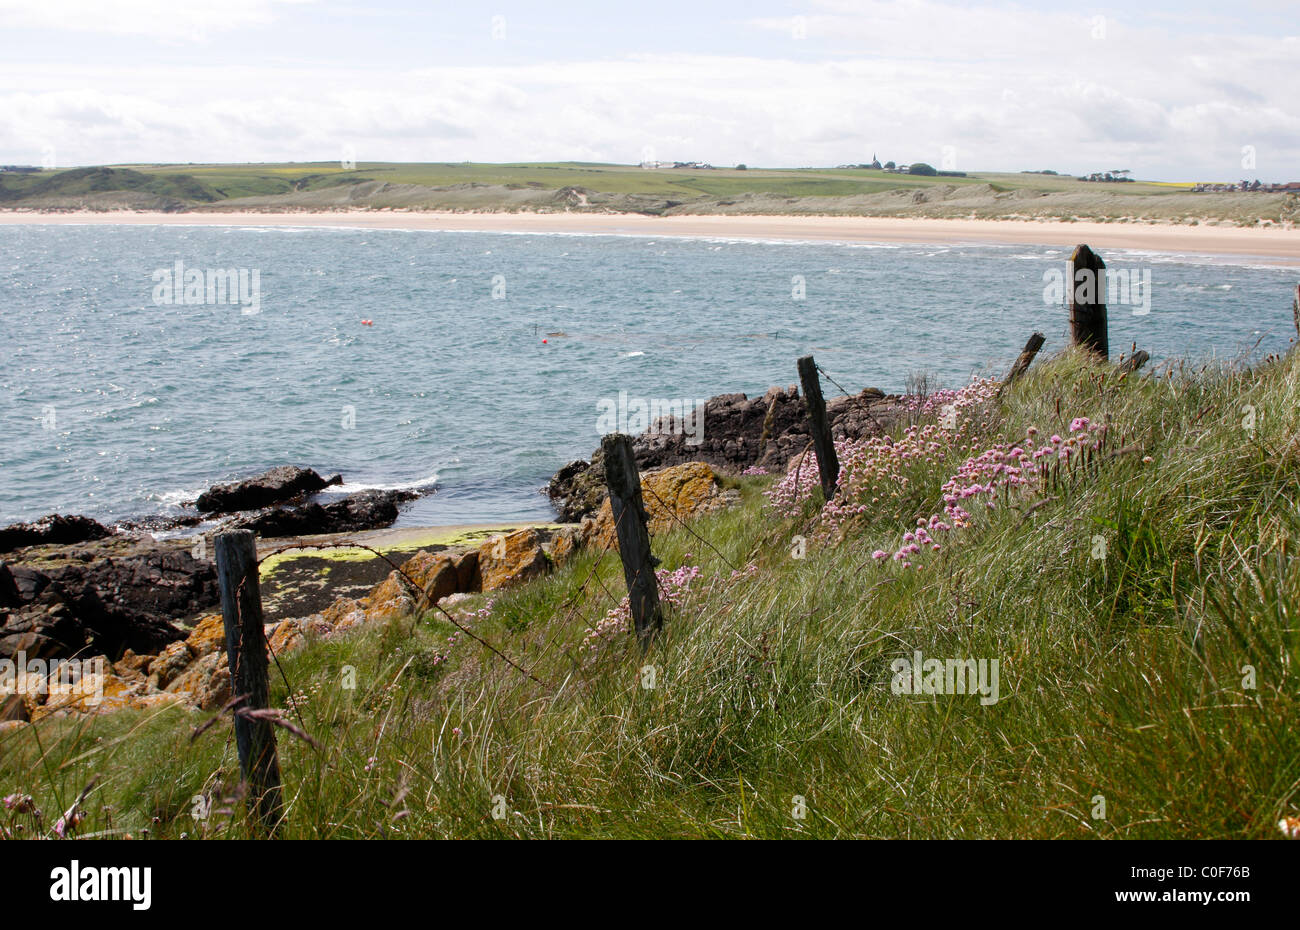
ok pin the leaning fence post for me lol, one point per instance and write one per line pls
(823, 444)
(1088, 301)
(1026, 359)
(241, 612)
(624, 483)
(1135, 361)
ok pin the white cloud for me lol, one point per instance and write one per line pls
(173, 20)
(1006, 88)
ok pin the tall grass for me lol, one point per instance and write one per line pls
(1157, 684)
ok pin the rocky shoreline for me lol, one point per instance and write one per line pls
(73, 588)
(739, 433)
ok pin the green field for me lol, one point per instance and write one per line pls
(571, 186)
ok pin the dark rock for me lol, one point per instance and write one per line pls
(9, 595)
(467, 572)
(156, 523)
(32, 646)
(54, 529)
(366, 510)
(28, 582)
(578, 488)
(280, 484)
(49, 615)
(124, 596)
(738, 432)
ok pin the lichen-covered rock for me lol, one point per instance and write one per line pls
(97, 694)
(512, 559)
(206, 683)
(425, 578)
(433, 574)
(342, 611)
(392, 598)
(168, 664)
(208, 635)
(132, 667)
(671, 496)
(565, 543)
(392, 588)
(288, 635)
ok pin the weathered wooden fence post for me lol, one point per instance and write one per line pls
(624, 483)
(1295, 309)
(241, 611)
(1088, 301)
(1135, 361)
(828, 462)
(1025, 359)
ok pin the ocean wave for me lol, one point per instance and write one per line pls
(354, 487)
(177, 497)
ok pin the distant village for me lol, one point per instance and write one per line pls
(699, 165)
(916, 168)
(1255, 186)
(919, 168)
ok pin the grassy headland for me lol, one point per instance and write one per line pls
(1160, 675)
(602, 188)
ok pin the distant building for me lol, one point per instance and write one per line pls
(875, 164)
(1247, 187)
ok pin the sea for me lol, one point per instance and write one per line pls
(142, 364)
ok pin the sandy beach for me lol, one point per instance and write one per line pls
(1279, 246)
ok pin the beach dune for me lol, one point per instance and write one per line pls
(1279, 245)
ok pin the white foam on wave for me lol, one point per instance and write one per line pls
(179, 496)
(350, 487)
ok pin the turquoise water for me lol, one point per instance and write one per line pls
(117, 406)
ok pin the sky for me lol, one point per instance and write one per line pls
(1179, 91)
